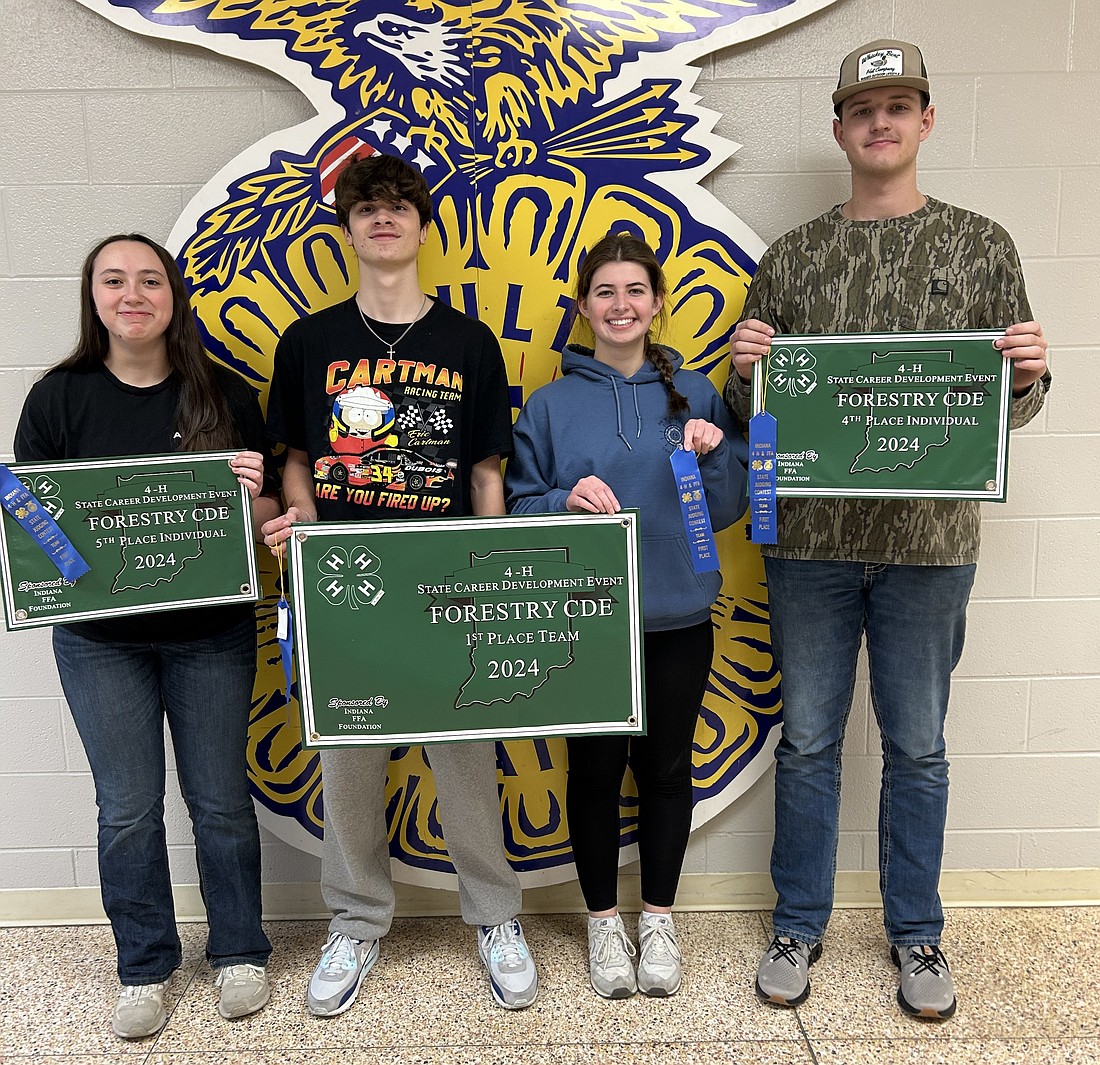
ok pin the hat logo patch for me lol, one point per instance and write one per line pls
(882, 63)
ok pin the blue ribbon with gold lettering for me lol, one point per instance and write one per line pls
(762, 444)
(284, 629)
(18, 500)
(693, 509)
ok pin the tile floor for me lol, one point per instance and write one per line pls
(1028, 982)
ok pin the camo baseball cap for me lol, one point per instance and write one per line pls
(881, 62)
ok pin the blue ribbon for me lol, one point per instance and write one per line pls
(762, 505)
(20, 503)
(693, 509)
(285, 636)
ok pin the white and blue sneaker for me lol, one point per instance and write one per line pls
(512, 976)
(340, 972)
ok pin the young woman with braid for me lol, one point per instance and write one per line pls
(597, 440)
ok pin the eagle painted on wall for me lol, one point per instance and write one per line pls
(540, 125)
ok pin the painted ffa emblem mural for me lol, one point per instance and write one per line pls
(540, 125)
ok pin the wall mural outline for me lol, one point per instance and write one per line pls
(539, 125)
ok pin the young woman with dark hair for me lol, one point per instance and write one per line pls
(138, 382)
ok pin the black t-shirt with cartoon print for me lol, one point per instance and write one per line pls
(390, 437)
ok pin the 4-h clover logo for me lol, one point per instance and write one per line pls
(350, 577)
(44, 489)
(792, 371)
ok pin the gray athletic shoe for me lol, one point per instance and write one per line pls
(513, 978)
(783, 975)
(609, 952)
(658, 955)
(244, 990)
(340, 972)
(139, 1011)
(927, 989)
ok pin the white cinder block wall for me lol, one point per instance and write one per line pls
(103, 130)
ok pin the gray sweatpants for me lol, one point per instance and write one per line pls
(355, 862)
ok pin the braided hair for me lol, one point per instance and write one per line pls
(625, 247)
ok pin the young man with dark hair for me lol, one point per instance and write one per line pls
(895, 571)
(392, 403)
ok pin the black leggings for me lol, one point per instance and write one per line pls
(677, 665)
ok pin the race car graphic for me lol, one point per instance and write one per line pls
(393, 467)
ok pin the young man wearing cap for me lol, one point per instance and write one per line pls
(899, 572)
(387, 401)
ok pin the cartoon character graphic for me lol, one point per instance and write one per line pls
(362, 419)
(540, 125)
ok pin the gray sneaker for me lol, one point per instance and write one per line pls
(513, 978)
(340, 972)
(783, 975)
(609, 952)
(139, 1011)
(927, 989)
(244, 989)
(658, 955)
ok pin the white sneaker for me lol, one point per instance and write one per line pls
(609, 952)
(512, 976)
(659, 955)
(139, 1011)
(244, 989)
(336, 980)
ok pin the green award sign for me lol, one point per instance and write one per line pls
(159, 532)
(477, 628)
(904, 415)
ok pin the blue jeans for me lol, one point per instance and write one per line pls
(119, 695)
(914, 618)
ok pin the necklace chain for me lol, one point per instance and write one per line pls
(391, 346)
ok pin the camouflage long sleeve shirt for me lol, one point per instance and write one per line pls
(835, 275)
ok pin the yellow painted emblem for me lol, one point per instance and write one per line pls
(540, 126)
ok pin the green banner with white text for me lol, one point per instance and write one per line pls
(161, 532)
(902, 415)
(475, 628)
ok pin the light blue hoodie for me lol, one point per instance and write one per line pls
(593, 421)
